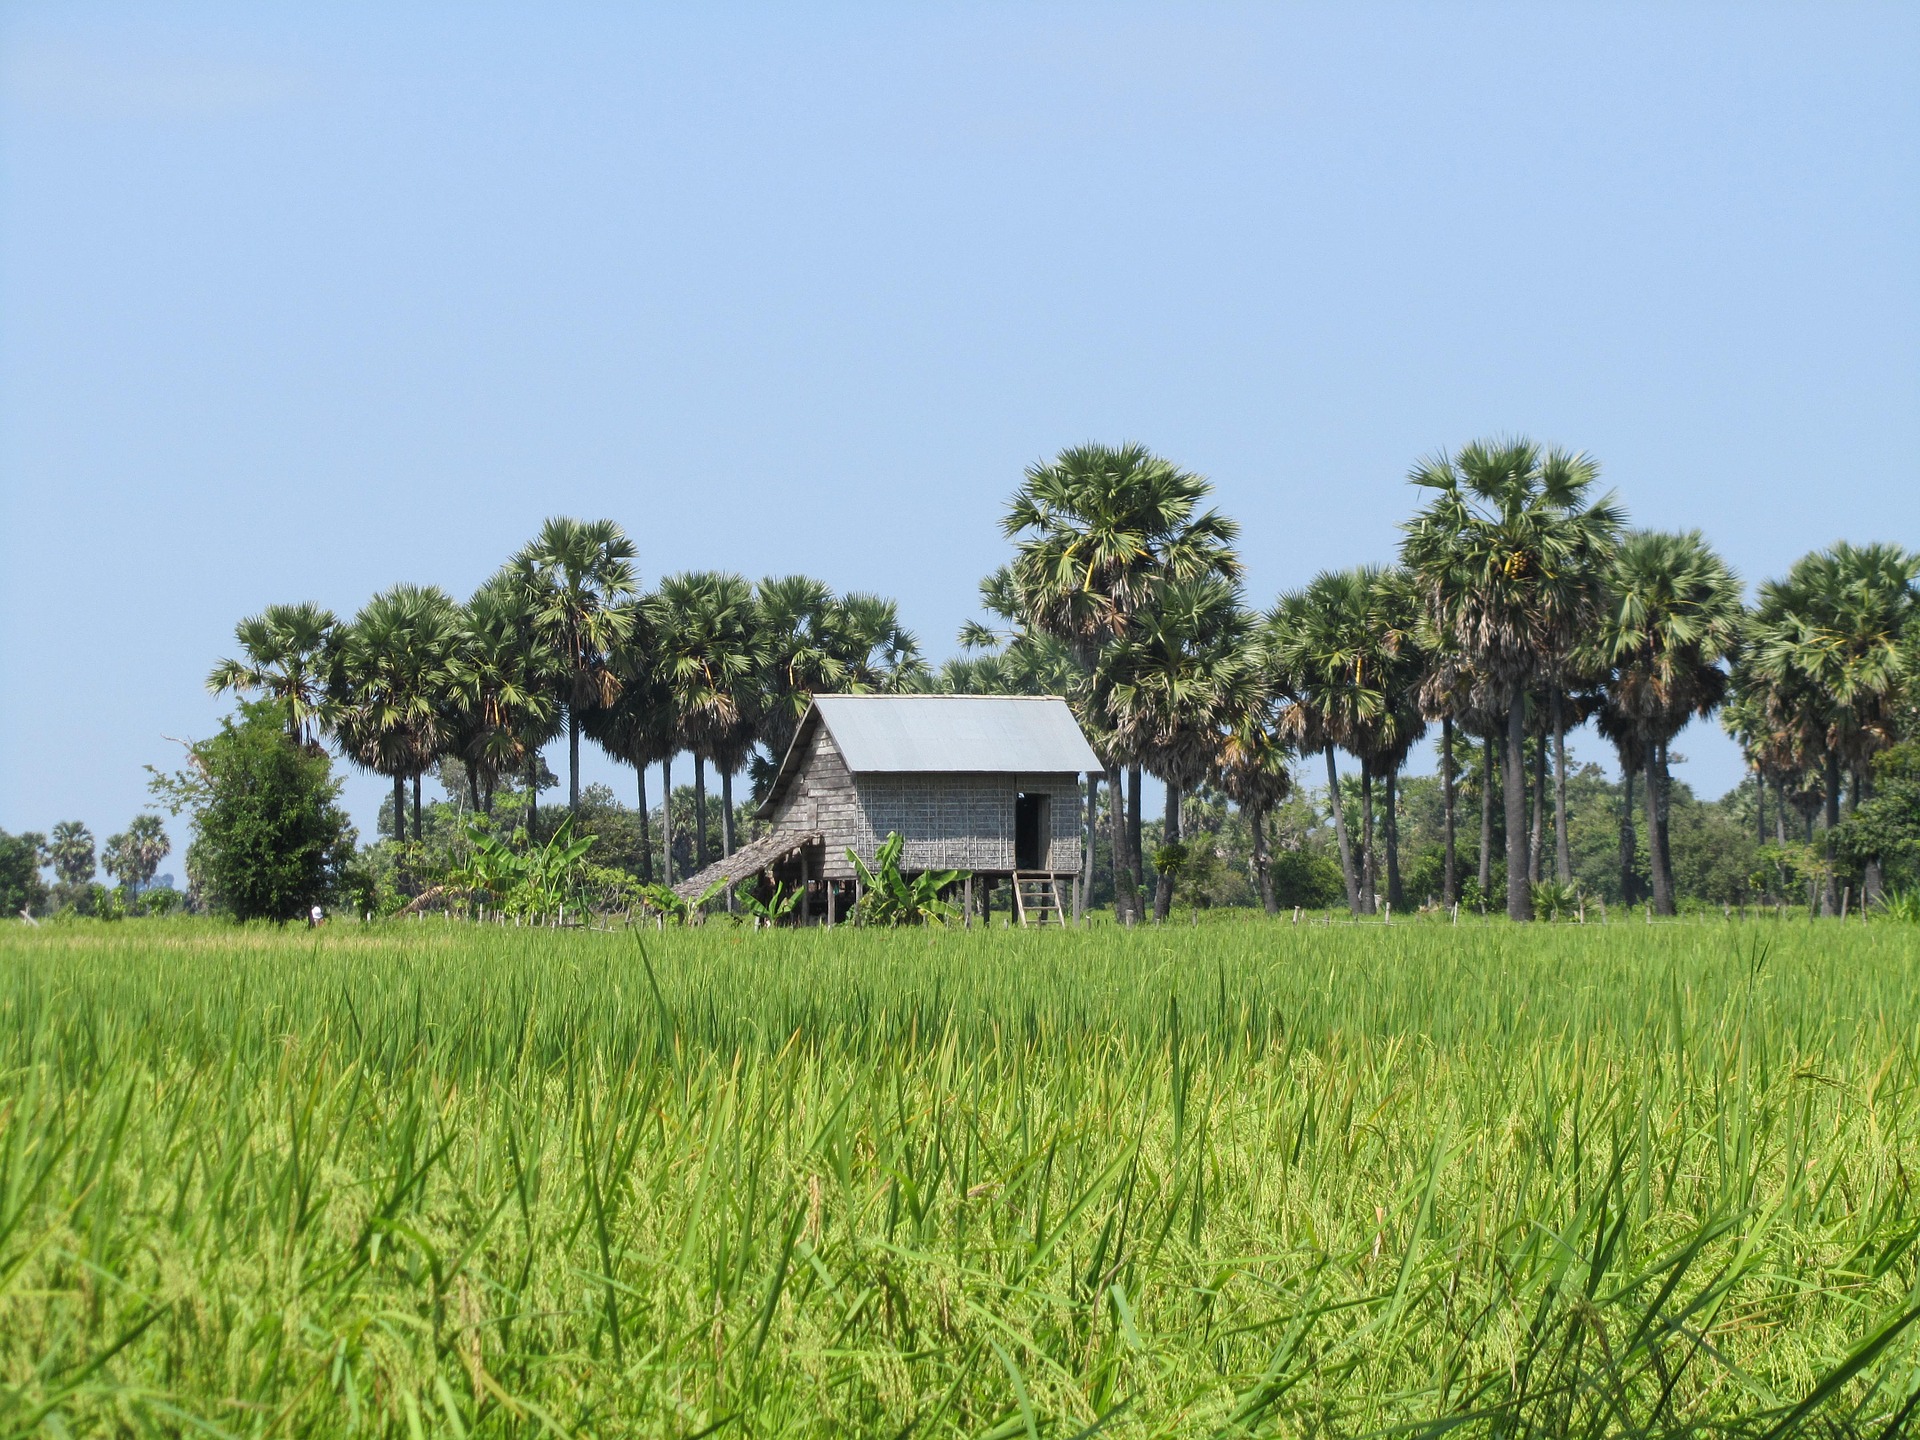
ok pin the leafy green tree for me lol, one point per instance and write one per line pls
(1511, 557)
(284, 652)
(1673, 614)
(580, 578)
(1097, 530)
(134, 855)
(21, 890)
(270, 838)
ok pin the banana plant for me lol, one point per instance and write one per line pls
(770, 911)
(537, 881)
(891, 898)
(663, 902)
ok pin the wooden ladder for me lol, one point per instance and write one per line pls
(1036, 900)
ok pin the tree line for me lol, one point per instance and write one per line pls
(1521, 606)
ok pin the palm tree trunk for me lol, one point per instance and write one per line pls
(666, 819)
(1340, 830)
(1562, 848)
(1872, 880)
(1369, 870)
(533, 796)
(1163, 884)
(573, 760)
(418, 829)
(1537, 831)
(1830, 898)
(1780, 813)
(1089, 835)
(1262, 860)
(1449, 873)
(699, 812)
(1136, 857)
(726, 829)
(1486, 819)
(1390, 840)
(646, 839)
(1759, 805)
(1656, 840)
(399, 808)
(1629, 844)
(473, 788)
(1519, 892)
(1117, 823)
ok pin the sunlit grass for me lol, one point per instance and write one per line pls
(1231, 1178)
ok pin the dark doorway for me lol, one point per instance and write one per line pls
(1030, 832)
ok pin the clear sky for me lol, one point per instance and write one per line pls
(298, 301)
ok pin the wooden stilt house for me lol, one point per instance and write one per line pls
(987, 784)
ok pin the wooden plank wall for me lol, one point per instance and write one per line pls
(949, 822)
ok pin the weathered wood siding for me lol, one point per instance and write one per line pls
(949, 822)
(821, 796)
(965, 822)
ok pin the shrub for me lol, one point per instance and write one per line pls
(270, 839)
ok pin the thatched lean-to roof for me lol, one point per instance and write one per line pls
(747, 861)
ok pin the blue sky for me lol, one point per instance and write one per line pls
(298, 301)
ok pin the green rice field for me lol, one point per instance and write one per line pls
(1241, 1178)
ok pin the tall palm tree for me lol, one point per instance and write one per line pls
(502, 680)
(1096, 530)
(1511, 556)
(1254, 768)
(703, 628)
(1173, 678)
(1316, 641)
(283, 653)
(1674, 614)
(1453, 693)
(389, 688)
(1392, 665)
(580, 577)
(1828, 641)
(638, 727)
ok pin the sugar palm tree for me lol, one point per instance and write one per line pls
(638, 727)
(1096, 530)
(1173, 679)
(1827, 641)
(132, 856)
(703, 628)
(580, 577)
(1510, 557)
(1674, 614)
(1316, 641)
(283, 654)
(1254, 766)
(389, 688)
(501, 680)
(1392, 665)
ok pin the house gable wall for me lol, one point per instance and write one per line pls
(965, 822)
(948, 821)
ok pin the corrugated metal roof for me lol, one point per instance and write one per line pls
(970, 733)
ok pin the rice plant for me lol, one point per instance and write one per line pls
(1261, 1179)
